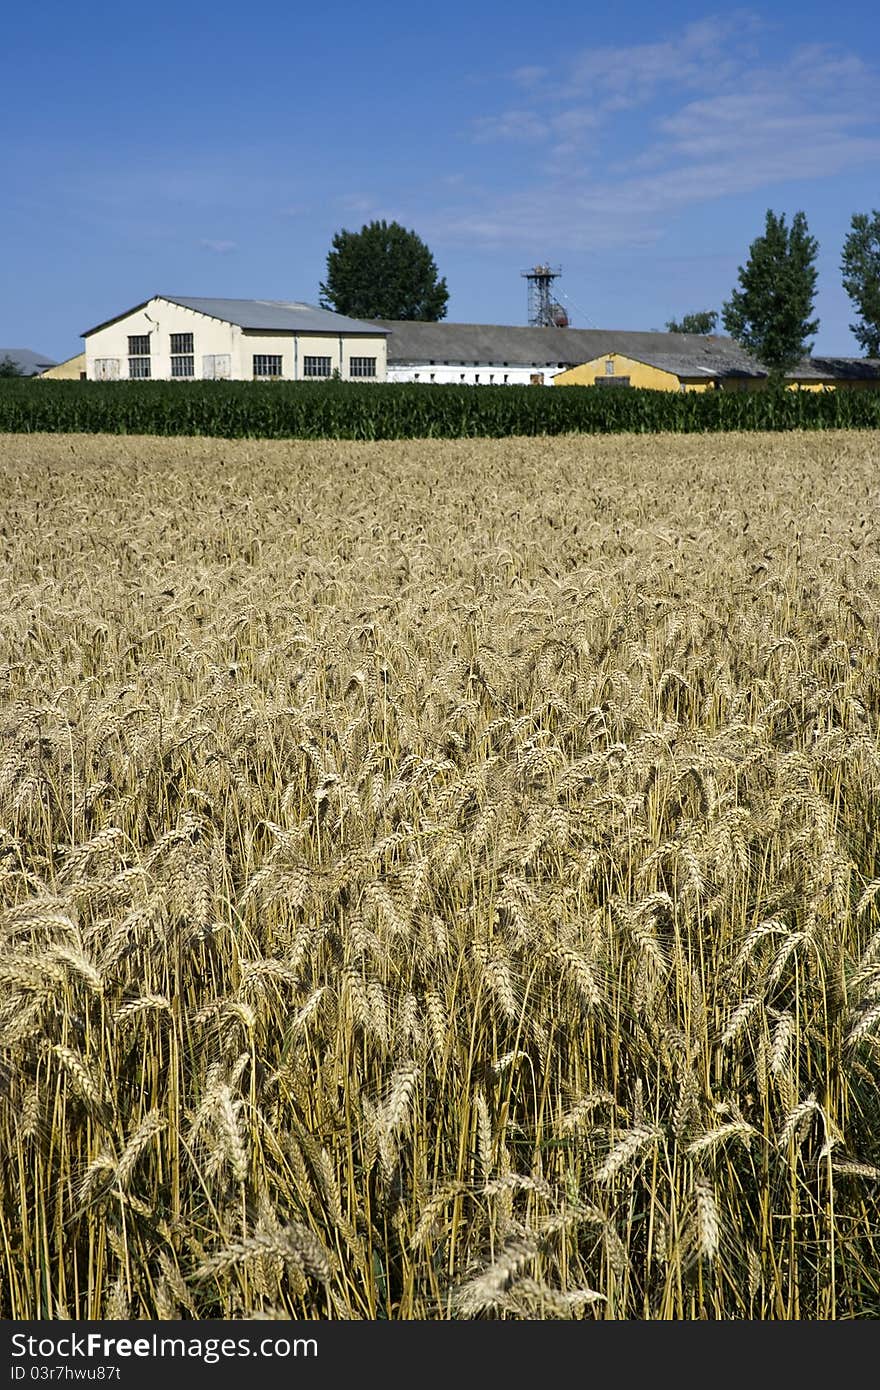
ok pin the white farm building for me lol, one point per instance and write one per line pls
(175, 338)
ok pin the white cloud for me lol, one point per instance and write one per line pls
(219, 248)
(511, 125)
(725, 119)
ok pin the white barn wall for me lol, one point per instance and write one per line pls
(473, 374)
(217, 338)
(160, 319)
(295, 347)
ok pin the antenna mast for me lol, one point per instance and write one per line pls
(544, 310)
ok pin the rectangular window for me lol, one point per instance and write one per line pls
(316, 366)
(183, 366)
(609, 367)
(139, 345)
(138, 367)
(612, 381)
(182, 343)
(362, 366)
(267, 364)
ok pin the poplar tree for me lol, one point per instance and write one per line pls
(770, 312)
(860, 265)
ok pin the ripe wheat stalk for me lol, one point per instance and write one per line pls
(440, 879)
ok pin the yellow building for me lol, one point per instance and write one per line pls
(699, 369)
(661, 373)
(833, 373)
(73, 369)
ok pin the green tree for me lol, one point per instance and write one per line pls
(770, 313)
(383, 272)
(8, 367)
(702, 322)
(860, 265)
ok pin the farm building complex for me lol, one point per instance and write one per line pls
(168, 338)
(483, 354)
(489, 355)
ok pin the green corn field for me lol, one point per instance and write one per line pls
(351, 410)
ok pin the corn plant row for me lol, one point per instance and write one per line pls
(332, 410)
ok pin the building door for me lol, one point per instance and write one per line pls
(217, 366)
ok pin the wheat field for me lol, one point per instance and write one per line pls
(440, 880)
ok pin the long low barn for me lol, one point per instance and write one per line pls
(499, 355)
(492, 355)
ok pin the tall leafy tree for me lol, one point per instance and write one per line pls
(9, 367)
(770, 313)
(860, 265)
(702, 322)
(383, 272)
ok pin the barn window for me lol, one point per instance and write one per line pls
(182, 343)
(183, 366)
(316, 366)
(139, 345)
(267, 364)
(362, 366)
(138, 368)
(609, 367)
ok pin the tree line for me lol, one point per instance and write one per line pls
(385, 271)
(770, 313)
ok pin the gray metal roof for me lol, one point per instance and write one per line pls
(292, 316)
(272, 315)
(687, 354)
(28, 363)
(840, 369)
(684, 354)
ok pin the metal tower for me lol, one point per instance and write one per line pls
(544, 310)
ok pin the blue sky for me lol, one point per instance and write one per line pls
(214, 149)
